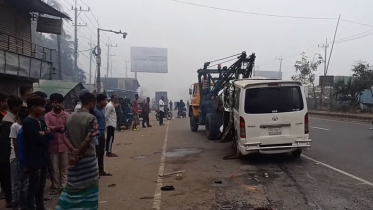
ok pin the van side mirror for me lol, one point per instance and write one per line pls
(190, 91)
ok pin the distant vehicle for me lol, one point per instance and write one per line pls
(270, 116)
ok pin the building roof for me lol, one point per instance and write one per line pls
(261, 80)
(55, 86)
(39, 6)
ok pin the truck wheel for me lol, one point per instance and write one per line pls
(193, 123)
(296, 153)
(211, 126)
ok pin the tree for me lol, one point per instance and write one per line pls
(363, 74)
(306, 69)
(348, 92)
(67, 47)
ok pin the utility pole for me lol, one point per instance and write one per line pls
(75, 74)
(127, 62)
(59, 57)
(90, 59)
(280, 59)
(322, 85)
(97, 53)
(108, 55)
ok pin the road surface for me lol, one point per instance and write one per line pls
(213, 181)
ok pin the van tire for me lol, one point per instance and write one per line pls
(193, 123)
(296, 153)
(212, 127)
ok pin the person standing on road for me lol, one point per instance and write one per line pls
(170, 105)
(6, 155)
(145, 113)
(100, 148)
(81, 191)
(119, 112)
(111, 123)
(35, 138)
(25, 92)
(135, 113)
(58, 151)
(161, 110)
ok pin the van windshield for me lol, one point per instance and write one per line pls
(273, 100)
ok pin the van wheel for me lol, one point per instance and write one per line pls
(193, 123)
(211, 126)
(296, 153)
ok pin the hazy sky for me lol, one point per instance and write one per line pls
(194, 35)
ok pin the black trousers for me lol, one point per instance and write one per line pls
(5, 181)
(35, 192)
(109, 138)
(145, 119)
(100, 152)
(161, 116)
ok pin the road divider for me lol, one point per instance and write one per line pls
(361, 117)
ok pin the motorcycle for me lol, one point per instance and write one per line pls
(127, 118)
(168, 115)
(183, 113)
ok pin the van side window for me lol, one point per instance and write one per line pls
(194, 89)
(237, 92)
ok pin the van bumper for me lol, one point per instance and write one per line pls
(257, 147)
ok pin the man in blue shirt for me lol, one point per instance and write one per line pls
(99, 113)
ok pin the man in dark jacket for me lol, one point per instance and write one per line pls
(145, 113)
(3, 105)
(14, 105)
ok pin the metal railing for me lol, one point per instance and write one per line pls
(24, 47)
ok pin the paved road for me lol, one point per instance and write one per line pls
(345, 145)
(212, 182)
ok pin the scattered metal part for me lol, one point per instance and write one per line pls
(102, 202)
(147, 197)
(256, 179)
(171, 173)
(112, 185)
(226, 207)
(265, 175)
(263, 208)
(218, 182)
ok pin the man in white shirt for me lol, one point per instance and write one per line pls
(161, 110)
(111, 124)
(79, 104)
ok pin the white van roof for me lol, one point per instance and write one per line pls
(261, 80)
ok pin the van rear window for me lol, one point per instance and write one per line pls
(273, 100)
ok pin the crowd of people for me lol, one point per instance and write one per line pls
(38, 137)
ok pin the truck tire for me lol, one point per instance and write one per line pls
(193, 123)
(212, 126)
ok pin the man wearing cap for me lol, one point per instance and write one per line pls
(79, 103)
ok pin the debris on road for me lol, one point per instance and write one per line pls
(218, 182)
(226, 207)
(263, 208)
(147, 197)
(112, 185)
(171, 173)
(103, 202)
(179, 176)
(168, 188)
(256, 179)
(265, 175)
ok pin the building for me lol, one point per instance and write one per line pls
(21, 61)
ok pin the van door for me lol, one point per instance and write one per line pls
(274, 114)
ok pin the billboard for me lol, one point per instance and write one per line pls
(49, 25)
(151, 60)
(268, 74)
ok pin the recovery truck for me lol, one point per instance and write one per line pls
(209, 102)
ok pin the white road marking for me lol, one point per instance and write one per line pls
(325, 129)
(341, 121)
(340, 171)
(158, 191)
